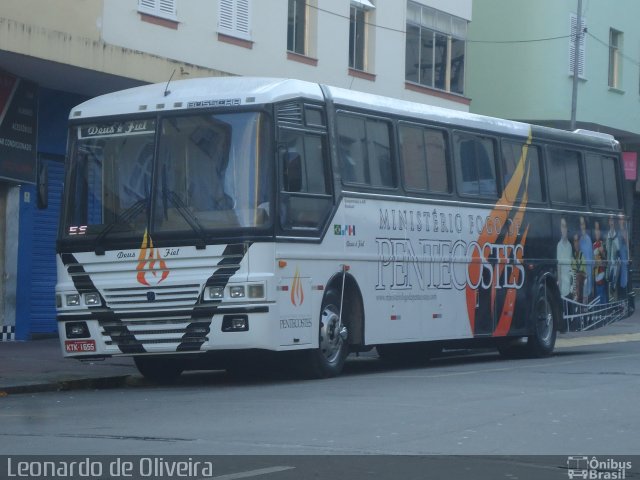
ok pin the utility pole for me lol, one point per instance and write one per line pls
(576, 56)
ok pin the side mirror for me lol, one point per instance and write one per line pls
(42, 186)
(292, 172)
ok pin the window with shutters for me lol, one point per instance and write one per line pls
(581, 44)
(158, 8)
(234, 18)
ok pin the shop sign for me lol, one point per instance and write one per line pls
(630, 160)
(18, 125)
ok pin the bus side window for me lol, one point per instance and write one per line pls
(476, 167)
(424, 159)
(565, 184)
(601, 180)
(352, 149)
(365, 151)
(292, 172)
(305, 195)
(511, 156)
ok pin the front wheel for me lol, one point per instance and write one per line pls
(328, 359)
(543, 338)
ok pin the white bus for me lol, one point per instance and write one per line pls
(220, 216)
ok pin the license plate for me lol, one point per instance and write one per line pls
(80, 346)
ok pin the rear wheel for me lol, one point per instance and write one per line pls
(543, 338)
(159, 369)
(328, 359)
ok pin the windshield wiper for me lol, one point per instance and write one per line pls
(189, 217)
(127, 214)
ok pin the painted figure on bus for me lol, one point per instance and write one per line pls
(579, 271)
(613, 259)
(599, 268)
(623, 243)
(564, 255)
(586, 248)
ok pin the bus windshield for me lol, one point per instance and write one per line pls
(210, 175)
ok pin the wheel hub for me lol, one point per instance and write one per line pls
(332, 334)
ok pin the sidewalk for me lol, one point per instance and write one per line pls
(38, 365)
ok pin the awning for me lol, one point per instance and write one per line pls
(366, 4)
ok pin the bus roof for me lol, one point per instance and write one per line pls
(195, 93)
(237, 91)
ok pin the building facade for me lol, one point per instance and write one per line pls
(54, 55)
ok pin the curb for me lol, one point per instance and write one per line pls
(67, 385)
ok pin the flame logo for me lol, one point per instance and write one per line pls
(147, 260)
(297, 292)
(516, 190)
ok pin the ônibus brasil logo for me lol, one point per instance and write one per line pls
(150, 262)
(581, 466)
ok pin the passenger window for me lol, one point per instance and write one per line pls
(601, 180)
(565, 184)
(365, 151)
(423, 156)
(511, 155)
(305, 189)
(476, 173)
(314, 116)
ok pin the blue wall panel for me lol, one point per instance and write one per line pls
(35, 296)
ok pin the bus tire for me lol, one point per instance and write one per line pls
(333, 347)
(544, 313)
(161, 370)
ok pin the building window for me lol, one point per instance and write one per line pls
(296, 30)
(615, 65)
(158, 8)
(573, 20)
(435, 48)
(234, 18)
(358, 33)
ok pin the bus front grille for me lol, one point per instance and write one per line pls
(120, 298)
(144, 332)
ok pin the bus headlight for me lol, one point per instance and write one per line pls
(77, 330)
(73, 300)
(236, 291)
(91, 299)
(214, 293)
